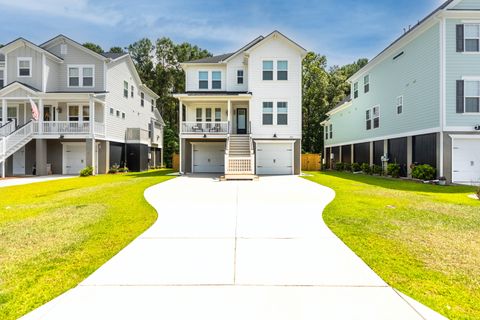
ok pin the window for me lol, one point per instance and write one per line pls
(153, 105)
(132, 91)
(112, 112)
(142, 99)
(399, 104)
(123, 115)
(73, 113)
(118, 113)
(331, 131)
(368, 118)
(125, 89)
(2, 81)
(472, 37)
(268, 70)
(80, 76)
(366, 83)
(203, 80)
(199, 115)
(355, 90)
(282, 70)
(239, 76)
(24, 67)
(267, 118)
(63, 49)
(326, 132)
(472, 96)
(208, 114)
(218, 114)
(85, 113)
(282, 113)
(376, 117)
(216, 80)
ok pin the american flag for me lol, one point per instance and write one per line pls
(35, 112)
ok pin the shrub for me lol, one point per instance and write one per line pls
(347, 167)
(477, 192)
(122, 170)
(365, 168)
(87, 171)
(423, 172)
(356, 167)
(376, 169)
(393, 170)
(114, 169)
(339, 166)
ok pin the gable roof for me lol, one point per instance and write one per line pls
(215, 59)
(16, 85)
(74, 43)
(19, 41)
(113, 55)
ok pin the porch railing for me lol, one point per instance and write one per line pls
(134, 135)
(239, 165)
(209, 127)
(7, 128)
(67, 128)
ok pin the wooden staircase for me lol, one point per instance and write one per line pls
(239, 158)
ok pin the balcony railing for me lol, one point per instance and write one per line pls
(137, 135)
(67, 128)
(205, 127)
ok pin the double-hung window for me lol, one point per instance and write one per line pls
(326, 132)
(239, 76)
(153, 105)
(80, 76)
(132, 91)
(399, 105)
(73, 113)
(376, 116)
(125, 89)
(366, 83)
(331, 131)
(368, 119)
(199, 115)
(24, 66)
(112, 111)
(472, 96)
(267, 70)
(2, 81)
(203, 80)
(218, 114)
(267, 116)
(282, 113)
(216, 80)
(142, 99)
(208, 114)
(282, 70)
(472, 37)
(355, 90)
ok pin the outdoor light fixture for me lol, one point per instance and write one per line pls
(204, 135)
(274, 135)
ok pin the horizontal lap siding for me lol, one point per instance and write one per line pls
(468, 5)
(425, 149)
(415, 75)
(347, 154)
(361, 153)
(36, 68)
(397, 153)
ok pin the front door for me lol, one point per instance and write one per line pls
(242, 121)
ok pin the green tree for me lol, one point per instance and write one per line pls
(116, 50)
(94, 47)
(142, 55)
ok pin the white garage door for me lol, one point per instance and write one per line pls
(466, 161)
(74, 158)
(274, 158)
(209, 157)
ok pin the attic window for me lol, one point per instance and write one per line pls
(63, 49)
(24, 67)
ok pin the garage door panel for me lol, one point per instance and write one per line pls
(209, 157)
(75, 155)
(274, 158)
(466, 160)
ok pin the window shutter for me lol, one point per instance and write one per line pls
(460, 38)
(460, 96)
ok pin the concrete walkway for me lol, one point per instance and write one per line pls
(236, 251)
(16, 181)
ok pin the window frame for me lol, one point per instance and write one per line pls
(267, 70)
(23, 59)
(132, 91)
(81, 68)
(399, 104)
(2, 78)
(125, 89)
(200, 80)
(331, 131)
(282, 113)
(465, 97)
(267, 113)
(366, 83)
(153, 105)
(465, 38)
(208, 114)
(112, 112)
(327, 126)
(240, 77)
(282, 70)
(218, 111)
(216, 82)
(142, 99)
(355, 90)
(376, 117)
(197, 116)
(368, 119)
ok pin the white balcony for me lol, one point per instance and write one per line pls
(219, 127)
(55, 128)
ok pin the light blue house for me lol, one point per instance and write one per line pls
(418, 101)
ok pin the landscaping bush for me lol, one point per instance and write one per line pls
(376, 169)
(366, 168)
(123, 170)
(356, 167)
(423, 172)
(347, 167)
(87, 171)
(393, 170)
(339, 166)
(114, 169)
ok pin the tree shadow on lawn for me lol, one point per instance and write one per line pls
(399, 184)
(152, 173)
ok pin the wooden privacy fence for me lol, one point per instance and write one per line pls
(176, 162)
(311, 162)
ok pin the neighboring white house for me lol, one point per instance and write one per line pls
(242, 111)
(93, 110)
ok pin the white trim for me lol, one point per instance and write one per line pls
(464, 136)
(80, 105)
(80, 68)
(462, 128)
(443, 91)
(20, 59)
(392, 136)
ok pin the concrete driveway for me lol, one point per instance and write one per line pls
(235, 250)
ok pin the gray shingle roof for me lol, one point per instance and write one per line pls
(214, 59)
(113, 55)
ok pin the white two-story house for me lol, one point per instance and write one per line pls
(242, 111)
(93, 110)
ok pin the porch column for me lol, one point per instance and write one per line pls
(91, 154)
(371, 153)
(161, 157)
(409, 155)
(91, 113)
(40, 117)
(41, 157)
(180, 129)
(229, 106)
(4, 111)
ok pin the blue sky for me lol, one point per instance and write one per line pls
(343, 30)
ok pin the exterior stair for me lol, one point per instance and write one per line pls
(239, 146)
(14, 141)
(239, 158)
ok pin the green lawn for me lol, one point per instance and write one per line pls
(54, 234)
(423, 240)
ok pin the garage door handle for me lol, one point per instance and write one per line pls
(456, 171)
